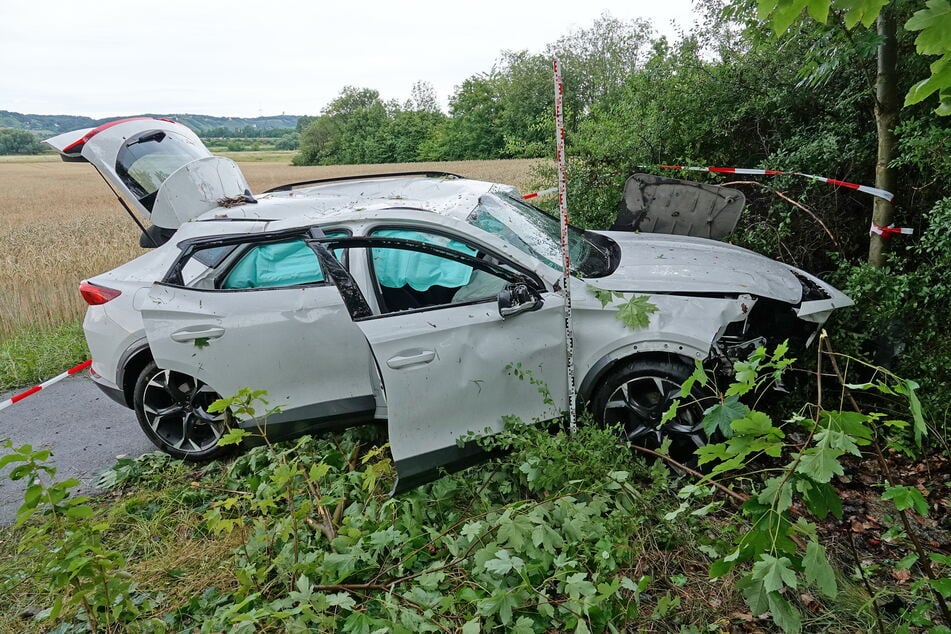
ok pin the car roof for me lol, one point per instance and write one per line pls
(443, 196)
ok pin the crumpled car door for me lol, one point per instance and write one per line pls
(233, 315)
(451, 371)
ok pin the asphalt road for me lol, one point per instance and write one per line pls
(83, 428)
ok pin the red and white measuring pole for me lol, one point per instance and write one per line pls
(36, 388)
(565, 255)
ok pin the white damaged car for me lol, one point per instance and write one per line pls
(409, 299)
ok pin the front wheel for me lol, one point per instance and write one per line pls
(172, 409)
(636, 395)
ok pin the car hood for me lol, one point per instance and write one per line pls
(675, 264)
(161, 167)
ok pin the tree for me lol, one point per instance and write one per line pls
(934, 26)
(423, 98)
(526, 102)
(598, 60)
(19, 142)
(473, 129)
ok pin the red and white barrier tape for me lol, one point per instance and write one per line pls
(874, 191)
(541, 192)
(36, 388)
(889, 231)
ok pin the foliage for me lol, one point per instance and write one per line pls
(358, 127)
(899, 316)
(932, 23)
(779, 549)
(79, 570)
(19, 142)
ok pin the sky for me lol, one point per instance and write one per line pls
(242, 59)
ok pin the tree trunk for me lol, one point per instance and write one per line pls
(886, 115)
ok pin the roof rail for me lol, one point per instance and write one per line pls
(429, 174)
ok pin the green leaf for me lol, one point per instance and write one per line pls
(755, 594)
(503, 563)
(471, 627)
(775, 574)
(860, 11)
(905, 497)
(720, 567)
(233, 437)
(577, 586)
(939, 81)
(906, 562)
(501, 603)
(785, 614)
(934, 22)
(699, 375)
(719, 417)
(604, 296)
(821, 498)
(785, 13)
(818, 10)
(635, 313)
(319, 470)
(817, 570)
(777, 493)
(79, 512)
(909, 388)
(820, 463)
(943, 586)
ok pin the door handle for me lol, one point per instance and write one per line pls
(202, 332)
(411, 357)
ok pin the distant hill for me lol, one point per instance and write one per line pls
(46, 124)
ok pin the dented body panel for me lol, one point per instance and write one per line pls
(439, 361)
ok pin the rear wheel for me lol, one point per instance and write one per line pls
(172, 409)
(636, 395)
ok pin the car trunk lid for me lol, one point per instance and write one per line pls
(161, 167)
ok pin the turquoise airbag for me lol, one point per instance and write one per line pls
(280, 264)
(396, 268)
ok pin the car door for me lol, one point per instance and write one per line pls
(452, 366)
(261, 312)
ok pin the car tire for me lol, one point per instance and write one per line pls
(636, 394)
(172, 410)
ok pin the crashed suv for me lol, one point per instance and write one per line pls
(410, 300)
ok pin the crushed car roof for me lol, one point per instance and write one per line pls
(450, 197)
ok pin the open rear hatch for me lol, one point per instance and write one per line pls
(159, 166)
(654, 204)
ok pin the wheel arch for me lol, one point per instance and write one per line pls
(659, 351)
(131, 365)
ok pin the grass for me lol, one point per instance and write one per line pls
(155, 527)
(33, 355)
(60, 224)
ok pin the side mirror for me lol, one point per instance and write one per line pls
(518, 298)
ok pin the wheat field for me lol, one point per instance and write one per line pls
(60, 223)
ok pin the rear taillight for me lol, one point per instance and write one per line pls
(96, 295)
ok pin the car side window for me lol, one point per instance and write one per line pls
(410, 280)
(273, 265)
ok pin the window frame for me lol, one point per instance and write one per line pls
(514, 275)
(173, 277)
